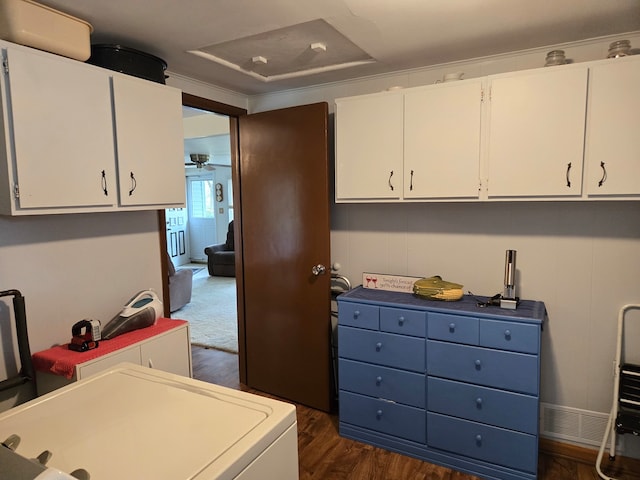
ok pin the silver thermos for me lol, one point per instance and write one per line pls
(509, 299)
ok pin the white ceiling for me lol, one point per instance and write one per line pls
(208, 133)
(370, 36)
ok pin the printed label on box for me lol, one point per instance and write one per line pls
(390, 283)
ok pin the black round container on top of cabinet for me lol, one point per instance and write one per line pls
(128, 60)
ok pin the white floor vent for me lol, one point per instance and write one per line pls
(572, 424)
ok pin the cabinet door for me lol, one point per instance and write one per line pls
(150, 151)
(369, 147)
(612, 143)
(536, 133)
(129, 354)
(442, 141)
(170, 352)
(62, 132)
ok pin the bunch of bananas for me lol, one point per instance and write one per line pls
(435, 288)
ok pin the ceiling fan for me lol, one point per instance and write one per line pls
(200, 161)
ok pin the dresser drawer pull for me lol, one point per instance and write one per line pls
(478, 364)
(401, 321)
(507, 334)
(452, 327)
(356, 314)
(378, 346)
(479, 402)
(479, 440)
(378, 380)
(379, 414)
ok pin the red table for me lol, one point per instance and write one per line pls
(59, 360)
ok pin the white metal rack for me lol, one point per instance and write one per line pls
(625, 412)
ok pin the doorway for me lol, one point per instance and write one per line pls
(204, 221)
(282, 235)
(209, 206)
(201, 214)
(177, 235)
(208, 182)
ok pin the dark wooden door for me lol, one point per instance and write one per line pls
(283, 163)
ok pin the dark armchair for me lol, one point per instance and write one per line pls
(221, 257)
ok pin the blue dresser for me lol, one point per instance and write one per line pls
(451, 383)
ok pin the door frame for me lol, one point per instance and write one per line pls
(189, 100)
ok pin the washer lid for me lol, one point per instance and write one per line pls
(135, 422)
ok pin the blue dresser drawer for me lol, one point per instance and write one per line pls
(517, 337)
(383, 382)
(509, 370)
(453, 328)
(405, 322)
(382, 348)
(359, 315)
(510, 410)
(383, 416)
(491, 444)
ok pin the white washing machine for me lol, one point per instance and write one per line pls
(136, 422)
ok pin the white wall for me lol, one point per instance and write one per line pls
(581, 259)
(72, 267)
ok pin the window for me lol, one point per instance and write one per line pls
(202, 198)
(230, 198)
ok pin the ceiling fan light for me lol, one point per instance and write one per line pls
(199, 158)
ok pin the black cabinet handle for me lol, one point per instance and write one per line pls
(604, 175)
(568, 170)
(134, 184)
(390, 184)
(104, 183)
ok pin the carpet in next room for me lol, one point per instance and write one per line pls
(212, 312)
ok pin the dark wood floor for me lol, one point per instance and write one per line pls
(324, 455)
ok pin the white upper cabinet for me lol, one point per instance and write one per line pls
(556, 133)
(369, 139)
(149, 136)
(536, 133)
(613, 143)
(442, 140)
(58, 128)
(66, 129)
